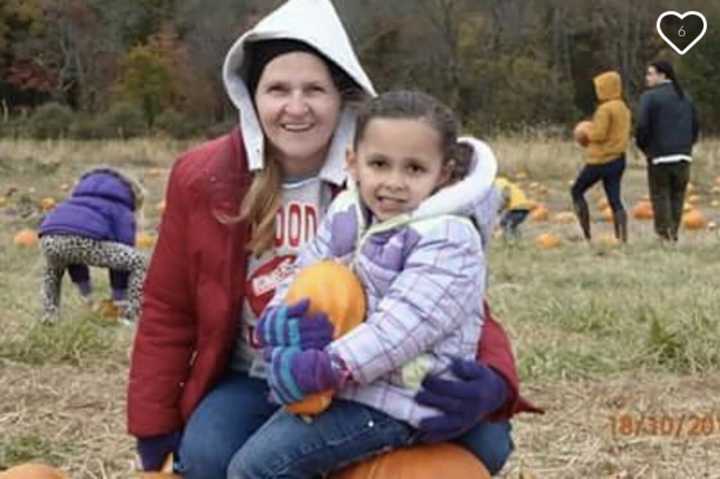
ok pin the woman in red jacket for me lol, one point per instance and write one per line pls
(238, 210)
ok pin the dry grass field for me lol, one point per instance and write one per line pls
(620, 344)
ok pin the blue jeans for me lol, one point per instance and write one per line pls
(237, 407)
(610, 174)
(345, 432)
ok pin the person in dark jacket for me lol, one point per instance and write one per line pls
(94, 227)
(667, 127)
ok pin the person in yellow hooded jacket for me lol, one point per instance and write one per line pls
(605, 153)
(514, 206)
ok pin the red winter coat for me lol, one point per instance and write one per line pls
(194, 289)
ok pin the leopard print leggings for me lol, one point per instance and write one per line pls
(63, 250)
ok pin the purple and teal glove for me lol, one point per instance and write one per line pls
(154, 450)
(292, 326)
(295, 373)
(477, 392)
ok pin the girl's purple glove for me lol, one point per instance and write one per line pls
(295, 373)
(291, 326)
(477, 392)
(154, 450)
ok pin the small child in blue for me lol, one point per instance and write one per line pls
(94, 227)
(408, 229)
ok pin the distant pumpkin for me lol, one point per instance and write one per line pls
(334, 290)
(32, 471)
(424, 461)
(547, 241)
(607, 214)
(160, 207)
(581, 133)
(144, 240)
(540, 213)
(694, 220)
(26, 238)
(643, 210)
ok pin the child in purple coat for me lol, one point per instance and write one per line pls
(94, 227)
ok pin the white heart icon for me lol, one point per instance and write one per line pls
(681, 16)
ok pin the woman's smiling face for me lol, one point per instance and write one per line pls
(298, 106)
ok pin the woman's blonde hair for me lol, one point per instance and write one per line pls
(260, 205)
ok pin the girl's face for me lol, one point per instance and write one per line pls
(298, 106)
(398, 164)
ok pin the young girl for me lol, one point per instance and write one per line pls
(94, 227)
(409, 232)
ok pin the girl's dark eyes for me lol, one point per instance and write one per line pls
(415, 169)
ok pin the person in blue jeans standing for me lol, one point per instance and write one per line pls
(607, 137)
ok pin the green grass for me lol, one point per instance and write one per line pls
(579, 313)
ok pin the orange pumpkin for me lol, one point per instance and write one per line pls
(694, 220)
(607, 214)
(602, 203)
(425, 461)
(144, 240)
(547, 241)
(643, 210)
(540, 213)
(581, 133)
(334, 290)
(32, 471)
(26, 238)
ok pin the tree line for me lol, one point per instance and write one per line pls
(502, 64)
